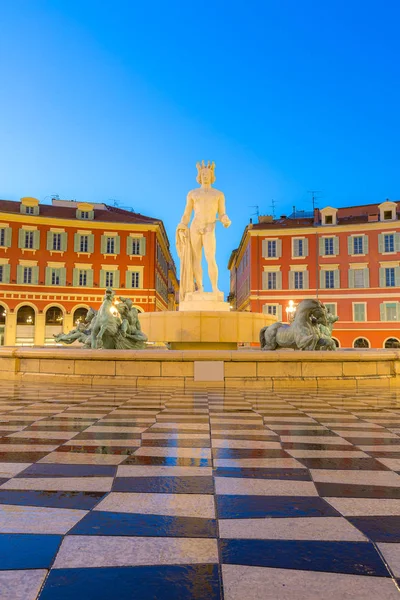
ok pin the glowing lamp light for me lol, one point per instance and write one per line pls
(290, 310)
(29, 320)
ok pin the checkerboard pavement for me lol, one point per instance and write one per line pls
(208, 494)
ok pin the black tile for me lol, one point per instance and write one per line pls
(56, 427)
(238, 453)
(165, 485)
(167, 461)
(103, 435)
(3, 480)
(172, 443)
(368, 464)
(356, 558)
(250, 438)
(306, 432)
(289, 474)
(253, 507)
(113, 523)
(22, 457)
(59, 470)
(345, 490)
(378, 529)
(98, 449)
(167, 582)
(27, 551)
(78, 500)
(175, 430)
(307, 446)
(373, 441)
(236, 427)
(33, 441)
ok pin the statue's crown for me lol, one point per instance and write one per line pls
(202, 165)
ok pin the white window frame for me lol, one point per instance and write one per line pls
(354, 312)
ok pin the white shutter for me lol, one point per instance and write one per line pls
(366, 277)
(382, 309)
(350, 245)
(397, 242)
(351, 278)
(381, 243)
(382, 280)
(278, 280)
(291, 280)
(264, 248)
(278, 248)
(321, 246)
(305, 247)
(365, 244)
(336, 245)
(306, 283)
(295, 247)
(397, 276)
(322, 280)
(264, 280)
(279, 312)
(336, 275)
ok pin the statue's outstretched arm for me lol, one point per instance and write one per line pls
(188, 212)
(223, 217)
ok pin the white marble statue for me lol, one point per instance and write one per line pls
(208, 206)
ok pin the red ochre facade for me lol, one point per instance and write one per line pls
(249, 267)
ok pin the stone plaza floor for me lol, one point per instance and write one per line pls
(170, 494)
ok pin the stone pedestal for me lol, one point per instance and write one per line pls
(207, 301)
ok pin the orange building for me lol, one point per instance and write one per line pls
(56, 260)
(349, 258)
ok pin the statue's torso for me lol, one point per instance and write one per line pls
(205, 205)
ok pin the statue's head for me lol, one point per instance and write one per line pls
(205, 173)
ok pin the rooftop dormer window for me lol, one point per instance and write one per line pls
(328, 216)
(85, 212)
(388, 215)
(387, 211)
(29, 206)
(328, 220)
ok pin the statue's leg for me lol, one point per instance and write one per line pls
(209, 251)
(197, 245)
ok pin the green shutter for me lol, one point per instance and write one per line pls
(322, 280)
(305, 247)
(21, 238)
(398, 311)
(278, 280)
(116, 279)
(366, 277)
(278, 248)
(6, 274)
(64, 241)
(264, 248)
(89, 278)
(365, 244)
(351, 278)
(291, 280)
(129, 243)
(336, 245)
(382, 309)
(321, 246)
(35, 275)
(36, 239)
(103, 244)
(7, 236)
(91, 215)
(128, 279)
(306, 283)
(102, 279)
(91, 243)
(279, 312)
(77, 242)
(49, 240)
(397, 276)
(264, 280)
(382, 274)
(350, 245)
(63, 276)
(336, 280)
(49, 271)
(117, 244)
(397, 242)
(295, 247)
(75, 277)
(143, 246)
(20, 273)
(381, 243)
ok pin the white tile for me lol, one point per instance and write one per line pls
(21, 585)
(38, 519)
(244, 486)
(179, 505)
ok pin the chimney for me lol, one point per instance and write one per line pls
(265, 219)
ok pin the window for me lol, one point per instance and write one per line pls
(28, 239)
(389, 277)
(328, 220)
(271, 309)
(388, 242)
(359, 312)
(27, 275)
(392, 343)
(56, 241)
(329, 246)
(109, 278)
(359, 279)
(1, 273)
(82, 277)
(391, 311)
(300, 247)
(2, 237)
(135, 279)
(84, 243)
(387, 215)
(29, 210)
(271, 249)
(84, 214)
(331, 307)
(271, 281)
(298, 280)
(361, 343)
(55, 277)
(329, 279)
(358, 246)
(110, 246)
(135, 246)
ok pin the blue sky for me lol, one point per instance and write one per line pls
(118, 100)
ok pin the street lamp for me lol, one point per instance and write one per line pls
(290, 311)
